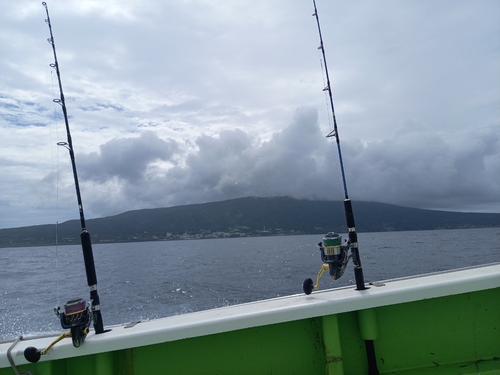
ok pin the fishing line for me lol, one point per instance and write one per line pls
(326, 94)
(329, 116)
(57, 168)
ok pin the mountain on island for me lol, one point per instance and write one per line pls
(250, 216)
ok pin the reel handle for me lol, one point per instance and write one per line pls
(32, 354)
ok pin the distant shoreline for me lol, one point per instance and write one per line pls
(244, 217)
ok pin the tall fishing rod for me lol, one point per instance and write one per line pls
(84, 236)
(76, 315)
(333, 253)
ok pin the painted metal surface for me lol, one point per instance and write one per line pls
(437, 324)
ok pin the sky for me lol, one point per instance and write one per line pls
(193, 101)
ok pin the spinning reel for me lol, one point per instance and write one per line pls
(77, 317)
(335, 258)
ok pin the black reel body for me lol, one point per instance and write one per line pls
(334, 254)
(335, 257)
(77, 317)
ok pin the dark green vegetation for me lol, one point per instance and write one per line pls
(245, 217)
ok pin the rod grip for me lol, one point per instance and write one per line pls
(88, 258)
(353, 238)
(349, 215)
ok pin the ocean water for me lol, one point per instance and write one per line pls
(147, 280)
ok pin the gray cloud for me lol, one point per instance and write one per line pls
(126, 158)
(415, 167)
(422, 168)
(232, 164)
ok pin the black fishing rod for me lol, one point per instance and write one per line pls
(84, 236)
(333, 253)
(76, 316)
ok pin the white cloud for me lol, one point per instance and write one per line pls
(415, 88)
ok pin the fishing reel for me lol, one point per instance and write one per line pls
(77, 317)
(335, 257)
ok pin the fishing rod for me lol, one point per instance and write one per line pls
(76, 315)
(85, 235)
(333, 253)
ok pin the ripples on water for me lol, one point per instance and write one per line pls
(148, 280)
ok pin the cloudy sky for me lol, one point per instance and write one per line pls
(190, 101)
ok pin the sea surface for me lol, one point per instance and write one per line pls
(147, 280)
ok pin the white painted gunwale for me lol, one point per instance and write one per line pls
(261, 313)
